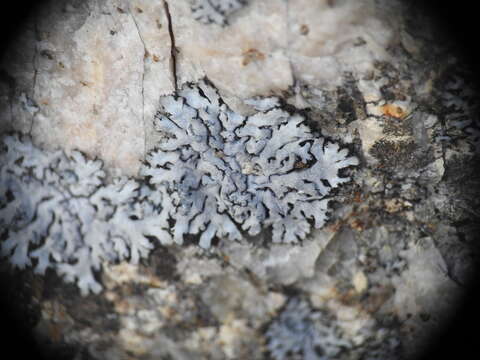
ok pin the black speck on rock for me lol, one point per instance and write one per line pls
(164, 263)
(350, 101)
(346, 106)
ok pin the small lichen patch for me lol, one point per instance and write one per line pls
(393, 153)
(300, 331)
(215, 11)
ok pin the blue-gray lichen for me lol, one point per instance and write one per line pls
(222, 169)
(301, 333)
(215, 11)
(216, 174)
(57, 209)
(460, 102)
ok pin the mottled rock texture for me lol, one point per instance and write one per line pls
(395, 257)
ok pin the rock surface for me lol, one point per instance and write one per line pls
(397, 254)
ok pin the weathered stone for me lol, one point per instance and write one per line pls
(391, 263)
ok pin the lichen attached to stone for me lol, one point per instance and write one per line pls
(216, 174)
(215, 11)
(301, 333)
(221, 169)
(461, 104)
(57, 210)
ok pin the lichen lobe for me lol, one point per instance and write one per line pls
(222, 169)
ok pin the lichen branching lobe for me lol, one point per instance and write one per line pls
(223, 170)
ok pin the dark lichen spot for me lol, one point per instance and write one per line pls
(345, 106)
(395, 154)
(47, 53)
(164, 264)
(304, 29)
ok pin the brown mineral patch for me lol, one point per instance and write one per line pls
(347, 297)
(300, 165)
(123, 307)
(357, 197)
(357, 224)
(376, 298)
(304, 29)
(335, 227)
(393, 111)
(252, 55)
